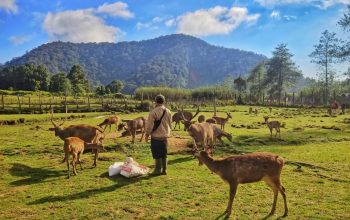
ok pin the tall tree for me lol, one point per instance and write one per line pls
(59, 83)
(116, 86)
(240, 84)
(256, 78)
(324, 55)
(77, 77)
(281, 72)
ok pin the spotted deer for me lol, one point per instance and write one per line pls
(273, 125)
(248, 168)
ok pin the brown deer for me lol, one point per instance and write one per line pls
(133, 125)
(75, 146)
(218, 134)
(202, 134)
(222, 121)
(270, 109)
(109, 122)
(211, 120)
(187, 121)
(182, 115)
(273, 125)
(87, 133)
(248, 168)
(201, 118)
(250, 110)
(256, 111)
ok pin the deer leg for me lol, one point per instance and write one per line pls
(74, 163)
(283, 192)
(133, 136)
(95, 158)
(110, 128)
(233, 190)
(68, 167)
(270, 132)
(142, 134)
(81, 167)
(274, 185)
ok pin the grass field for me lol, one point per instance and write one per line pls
(33, 183)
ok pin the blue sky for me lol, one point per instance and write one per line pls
(254, 25)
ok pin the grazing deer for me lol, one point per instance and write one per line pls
(222, 121)
(211, 120)
(330, 111)
(218, 134)
(273, 125)
(109, 122)
(248, 168)
(250, 110)
(182, 115)
(133, 125)
(201, 118)
(75, 146)
(256, 111)
(87, 133)
(270, 109)
(202, 134)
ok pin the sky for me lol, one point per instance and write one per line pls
(253, 25)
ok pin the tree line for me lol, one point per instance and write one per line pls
(30, 77)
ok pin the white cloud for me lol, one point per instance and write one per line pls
(80, 26)
(152, 25)
(18, 40)
(170, 22)
(275, 15)
(214, 21)
(118, 9)
(289, 17)
(318, 3)
(9, 6)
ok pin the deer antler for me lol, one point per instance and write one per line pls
(195, 114)
(53, 123)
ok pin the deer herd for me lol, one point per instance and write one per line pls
(233, 170)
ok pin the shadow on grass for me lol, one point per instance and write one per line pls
(121, 182)
(34, 175)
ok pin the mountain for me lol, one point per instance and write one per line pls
(174, 60)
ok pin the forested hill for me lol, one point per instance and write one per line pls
(174, 60)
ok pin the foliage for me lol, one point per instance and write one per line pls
(115, 86)
(77, 77)
(324, 55)
(175, 60)
(26, 77)
(255, 79)
(281, 72)
(240, 84)
(59, 83)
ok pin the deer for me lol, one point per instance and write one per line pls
(270, 109)
(218, 134)
(256, 111)
(248, 168)
(202, 134)
(133, 125)
(187, 121)
(87, 133)
(181, 115)
(250, 110)
(109, 122)
(273, 125)
(75, 146)
(201, 118)
(222, 121)
(211, 120)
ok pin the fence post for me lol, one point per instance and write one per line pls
(19, 104)
(301, 98)
(65, 103)
(293, 98)
(29, 102)
(89, 106)
(2, 101)
(214, 105)
(312, 98)
(285, 98)
(40, 101)
(263, 98)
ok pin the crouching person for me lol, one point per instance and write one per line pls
(159, 128)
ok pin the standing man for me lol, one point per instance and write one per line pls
(159, 128)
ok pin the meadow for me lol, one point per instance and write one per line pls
(34, 184)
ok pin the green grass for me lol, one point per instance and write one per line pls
(33, 182)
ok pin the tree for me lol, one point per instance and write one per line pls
(59, 83)
(240, 84)
(256, 78)
(324, 55)
(281, 71)
(78, 80)
(115, 86)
